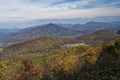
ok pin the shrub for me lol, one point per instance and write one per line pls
(29, 70)
(2, 68)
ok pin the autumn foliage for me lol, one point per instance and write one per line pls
(29, 70)
(76, 63)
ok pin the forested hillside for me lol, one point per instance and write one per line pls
(98, 36)
(77, 63)
(44, 44)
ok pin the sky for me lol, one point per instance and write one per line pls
(18, 11)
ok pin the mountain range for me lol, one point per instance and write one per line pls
(93, 26)
(49, 30)
(54, 30)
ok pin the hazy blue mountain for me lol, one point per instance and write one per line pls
(55, 30)
(8, 32)
(93, 26)
(25, 24)
(65, 25)
(49, 30)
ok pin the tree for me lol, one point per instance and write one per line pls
(117, 46)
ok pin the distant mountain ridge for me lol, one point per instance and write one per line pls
(55, 30)
(93, 26)
(7, 32)
(49, 30)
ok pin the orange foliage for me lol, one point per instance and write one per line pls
(30, 70)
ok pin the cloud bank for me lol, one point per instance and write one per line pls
(23, 10)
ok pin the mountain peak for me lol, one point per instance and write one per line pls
(77, 24)
(51, 24)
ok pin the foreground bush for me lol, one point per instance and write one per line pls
(2, 69)
(30, 71)
(107, 66)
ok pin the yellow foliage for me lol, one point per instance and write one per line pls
(2, 68)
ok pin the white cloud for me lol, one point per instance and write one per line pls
(16, 10)
(75, 4)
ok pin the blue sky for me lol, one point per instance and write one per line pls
(27, 10)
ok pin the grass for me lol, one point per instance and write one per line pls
(71, 45)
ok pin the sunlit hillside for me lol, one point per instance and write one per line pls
(82, 62)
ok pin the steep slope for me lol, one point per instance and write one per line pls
(47, 31)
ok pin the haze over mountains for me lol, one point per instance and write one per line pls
(92, 26)
(54, 30)
(25, 24)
